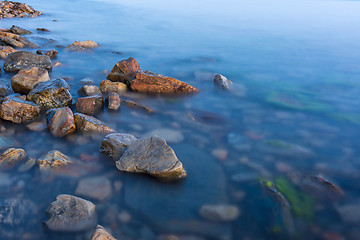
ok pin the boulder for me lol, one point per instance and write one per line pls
(18, 30)
(53, 159)
(153, 156)
(115, 144)
(84, 44)
(51, 53)
(114, 101)
(12, 42)
(89, 90)
(60, 121)
(124, 70)
(16, 110)
(70, 214)
(51, 94)
(11, 157)
(97, 188)
(23, 59)
(5, 51)
(219, 213)
(101, 234)
(90, 105)
(222, 82)
(107, 86)
(10, 9)
(25, 80)
(88, 124)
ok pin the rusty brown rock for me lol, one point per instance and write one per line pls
(26, 79)
(10, 9)
(60, 121)
(11, 157)
(89, 90)
(17, 110)
(6, 50)
(90, 105)
(107, 86)
(82, 45)
(89, 124)
(51, 53)
(18, 30)
(12, 42)
(114, 101)
(124, 71)
(101, 234)
(53, 159)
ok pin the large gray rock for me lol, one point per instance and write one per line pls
(11, 157)
(153, 156)
(101, 234)
(51, 94)
(115, 144)
(25, 80)
(70, 214)
(23, 59)
(89, 124)
(60, 121)
(16, 110)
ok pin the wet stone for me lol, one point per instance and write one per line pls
(222, 82)
(97, 188)
(28, 165)
(42, 29)
(115, 144)
(60, 121)
(124, 70)
(23, 59)
(107, 86)
(219, 213)
(89, 124)
(101, 234)
(5, 51)
(90, 90)
(152, 156)
(53, 159)
(12, 42)
(51, 53)
(18, 30)
(90, 105)
(37, 126)
(16, 110)
(25, 80)
(5, 91)
(84, 44)
(16, 212)
(70, 214)
(51, 94)
(10, 9)
(11, 158)
(136, 105)
(114, 101)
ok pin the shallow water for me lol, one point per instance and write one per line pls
(298, 116)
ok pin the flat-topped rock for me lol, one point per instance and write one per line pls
(11, 157)
(17, 110)
(115, 144)
(89, 124)
(60, 121)
(85, 44)
(107, 86)
(89, 90)
(23, 59)
(18, 30)
(25, 80)
(90, 105)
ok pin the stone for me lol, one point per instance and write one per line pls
(90, 90)
(5, 51)
(133, 104)
(12, 42)
(115, 144)
(84, 44)
(70, 214)
(90, 105)
(89, 124)
(11, 158)
(5, 90)
(114, 101)
(23, 59)
(42, 29)
(153, 156)
(51, 94)
(28, 165)
(101, 234)
(51, 53)
(219, 213)
(222, 82)
(25, 80)
(37, 126)
(170, 135)
(124, 70)
(97, 188)
(10, 9)
(18, 30)
(60, 121)
(16, 110)
(53, 159)
(15, 212)
(107, 86)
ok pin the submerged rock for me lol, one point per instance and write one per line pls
(60, 121)
(88, 124)
(114, 101)
(107, 86)
(53, 159)
(23, 59)
(101, 234)
(18, 30)
(16, 212)
(170, 135)
(223, 82)
(90, 105)
(89, 90)
(115, 144)
(5, 51)
(51, 94)
(11, 157)
(98, 188)
(16, 110)
(133, 104)
(285, 149)
(219, 213)
(153, 156)
(124, 70)
(70, 214)
(25, 80)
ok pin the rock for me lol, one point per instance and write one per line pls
(70, 214)
(5, 142)
(98, 188)
(53, 159)
(115, 144)
(26, 166)
(16, 212)
(106, 86)
(18, 30)
(153, 156)
(90, 105)
(219, 213)
(152, 83)
(89, 90)
(57, 64)
(11, 157)
(5, 91)
(349, 213)
(124, 70)
(101, 234)
(87, 81)
(51, 94)
(84, 44)
(51, 53)
(16, 110)
(42, 29)
(223, 82)
(114, 101)
(60, 121)
(23, 59)
(133, 104)
(88, 124)
(5, 51)
(25, 80)
(12, 42)
(170, 135)
(37, 126)
(9, 9)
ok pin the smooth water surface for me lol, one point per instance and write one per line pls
(293, 114)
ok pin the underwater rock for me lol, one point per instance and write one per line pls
(170, 135)
(219, 213)
(23, 59)
(114, 101)
(37, 126)
(97, 188)
(5, 51)
(26, 166)
(108, 86)
(124, 70)
(284, 149)
(53, 159)
(89, 90)
(25, 80)
(115, 144)
(152, 156)
(11, 157)
(90, 105)
(60, 121)
(133, 104)
(89, 124)
(101, 234)
(16, 110)
(18, 30)
(223, 82)
(70, 214)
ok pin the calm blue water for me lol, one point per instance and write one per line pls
(294, 114)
